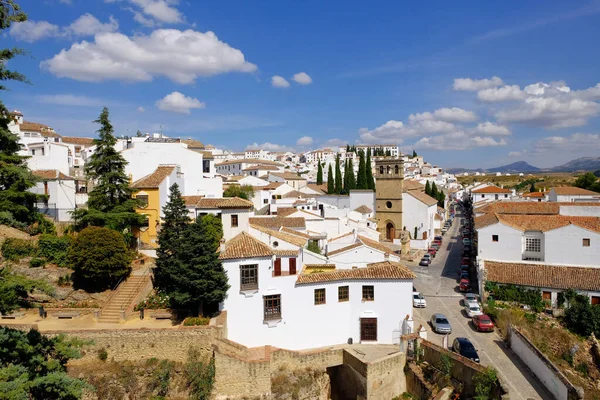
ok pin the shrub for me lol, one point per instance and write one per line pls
(491, 310)
(196, 321)
(485, 383)
(16, 249)
(37, 262)
(100, 258)
(568, 357)
(153, 302)
(583, 368)
(581, 317)
(65, 280)
(102, 354)
(54, 248)
(313, 246)
(200, 376)
(530, 297)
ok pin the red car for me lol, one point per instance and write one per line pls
(432, 251)
(483, 323)
(466, 260)
(465, 285)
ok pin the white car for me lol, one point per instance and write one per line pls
(472, 310)
(470, 298)
(418, 300)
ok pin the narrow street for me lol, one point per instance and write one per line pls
(439, 284)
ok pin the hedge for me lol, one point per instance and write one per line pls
(16, 249)
(54, 249)
(530, 297)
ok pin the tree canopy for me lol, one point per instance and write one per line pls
(588, 181)
(242, 191)
(100, 258)
(338, 176)
(330, 181)
(361, 178)
(370, 179)
(319, 173)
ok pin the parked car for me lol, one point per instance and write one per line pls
(466, 250)
(483, 323)
(435, 246)
(425, 262)
(466, 242)
(464, 267)
(440, 324)
(464, 285)
(419, 301)
(438, 238)
(470, 298)
(427, 255)
(465, 348)
(464, 275)
(472, 310)
(466, 260)
(431, 251)
(444, 229)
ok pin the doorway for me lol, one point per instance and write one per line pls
(390, 231)
(368, 329)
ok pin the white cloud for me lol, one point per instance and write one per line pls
(457, 141)
(31, 31)
(71, 100)
(88, 25)
(302, 78)
(517, 153)
(474, 85)
(279, 82)
(304, 141)
(335, 143)
(141, 109)
(269, 147)
(178, 103)
(491, 129)
(453, 114)
(181, 56)
(157, 11)
(504, 93)
(576, 142)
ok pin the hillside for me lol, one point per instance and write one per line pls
(516, 167)
(579, 164)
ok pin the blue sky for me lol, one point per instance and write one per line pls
(477, 84)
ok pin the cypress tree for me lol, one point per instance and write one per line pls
(330, 181)
(532, 188)
(434, 191)
(361, 179)
(427, 189)
(338, 176)
(345, 189)
(172, 233)
(351, 176)
(414, 154)
(319, 174)
(370, 179)
(441, 197)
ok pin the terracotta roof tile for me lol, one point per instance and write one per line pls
(297, 194)
(341, 236)
(492, 189)
(285, 211)
(521, 207)
(278, 222)
(51, 174)
(295, 232)
(45, 130)
(344, 249)
(422, 197)
(363, 209)
(485, 220)
(250, 161)
(573, 191)
(191, 201)
(286, 237)
(544, 276)
(154, 179)
(83, 141)
(193, 144)
(374, 244)
(535, 195)
(286, 253)
(322, 189)
(379, 271)
(288, 176)
(546, 223)
(261, 167)
(245, 245)
(319, 266)
(223, 202)
(410, 184)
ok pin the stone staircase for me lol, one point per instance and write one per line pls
(123, 299)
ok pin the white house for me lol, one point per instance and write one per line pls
(419, 211)
(491, 193)
(275, 299)
(64, 193)
(237, 166)
(572, 194)
(47, 155)
(294, 180)
(233, 211)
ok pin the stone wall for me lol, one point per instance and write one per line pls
(463, 369)
(385, 378)
(318, 360)
(140, 344)
(416, 384)
(237, 378)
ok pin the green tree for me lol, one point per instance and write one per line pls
(243, 191)
(361, 178)
(17, 205)
(370, 179)
(441, 198)
(434, 190)
(34, 366)
(345, 189)
(485, 383)
(109, 203)
(532, 188)
(195, 278)
(427, 188)
(586, 181)
(139, 133)
(330, 181)
(338, 176)
(414, 154)
(313, 245)
(351, 176)
(100, 259)
(173, 230)
(15, 289)
(319, 173)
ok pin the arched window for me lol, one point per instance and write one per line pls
(381, 170)
(389, 169)
(396, 169)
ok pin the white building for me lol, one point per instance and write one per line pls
(233, 211)
(237, 166)
(572, 194)
(491, 193)
(276, 299)
(258, 154)
(419, 211)
(64, 194)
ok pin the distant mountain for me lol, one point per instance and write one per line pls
(579, 164)
(516, 167)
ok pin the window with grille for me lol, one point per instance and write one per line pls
(368, 329)
(368, 293)
(234, 220)
(533, 245)
(319, 296)
(343, 293)
(249, 277)
(272, 305)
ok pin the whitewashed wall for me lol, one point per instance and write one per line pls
(508, 248)
(565, 246)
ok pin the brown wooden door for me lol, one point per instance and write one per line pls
(547, 295)
(278, 267)
(292, 266)
(368, 329)
(595, 300)
(390, 232)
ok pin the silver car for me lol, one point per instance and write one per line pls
(440, 324)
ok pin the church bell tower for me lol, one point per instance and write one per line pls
(389, 175)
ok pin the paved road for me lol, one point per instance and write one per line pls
(438, 283)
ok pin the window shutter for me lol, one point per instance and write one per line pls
(292, 266)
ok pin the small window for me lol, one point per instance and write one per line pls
(319, 296)
(249, 277)
(234, 220)
(381, 170)
(396, 169)
(586, 242)
(343, 293)
(368, 293)
(533, 245)
(482, 196)
(272, 306)
(388, 204)
(276, 244)
(265, 201)
(142, 200)
(494, 238)
(505, 196)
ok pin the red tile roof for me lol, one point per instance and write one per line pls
(223, 202)
(542, 223)
(573, 191)
(193, 144)
(422, 197)
(492, 189)
(154, 179)
(278, 222)
(51, 174)
(286, 237)
(544, 276)
(191, 201)
(245, 245)
(363, 210)
(386, 270)
(83, 141)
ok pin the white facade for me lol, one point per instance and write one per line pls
(62, 197)
(47, 155)
(416, 213)
(572, 197)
